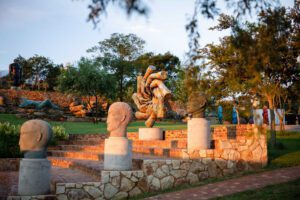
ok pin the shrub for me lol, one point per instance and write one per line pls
(9, 140)
(59, 133)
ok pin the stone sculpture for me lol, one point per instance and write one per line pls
(196, 105)
(119, 115)
(35, 136)
(35, 169)
(15, 72)
(117, 148)
(151, 96)
(198, 127)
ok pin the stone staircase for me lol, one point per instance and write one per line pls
(82, 155)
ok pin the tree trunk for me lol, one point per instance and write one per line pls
(281, 117)
(238, 116)
(272, 124)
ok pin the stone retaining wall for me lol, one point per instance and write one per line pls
(56, 97)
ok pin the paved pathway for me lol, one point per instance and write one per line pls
(235, 185)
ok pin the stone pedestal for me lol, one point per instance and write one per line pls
(34, 177)
(199, 135)
(150, 134)
(117, 154)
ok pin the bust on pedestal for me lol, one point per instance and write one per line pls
(117, 148)
(198, 127)
(34, 173)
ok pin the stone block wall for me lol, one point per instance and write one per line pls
(113, 185)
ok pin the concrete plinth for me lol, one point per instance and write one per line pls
(150, 134)
(117, 153)
(34, 177)
(199, 135)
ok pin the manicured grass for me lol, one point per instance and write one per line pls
(289, 190)
(288, 148)
(89, 127)
(287, 160)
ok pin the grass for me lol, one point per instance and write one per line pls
(289, 190)
(89, 127)
(287, 152)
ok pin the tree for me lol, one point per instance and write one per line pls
(87, 79)
(257, 58)
(117, 55)
(163, 62)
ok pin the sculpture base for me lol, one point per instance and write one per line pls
(199, 136)
(150, 134)
(117, 154)
(34, 177)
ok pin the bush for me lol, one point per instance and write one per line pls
(9, 140)
(59, 133)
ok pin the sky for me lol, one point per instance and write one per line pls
(58, 29)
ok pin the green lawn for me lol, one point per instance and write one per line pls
(89, 127)
(287, 154)
(289, 190)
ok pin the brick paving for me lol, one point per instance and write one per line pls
(9, 179)
(235, 185)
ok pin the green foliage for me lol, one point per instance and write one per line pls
(9, 140)
(59, 133)
(117, 55)
(39, 68)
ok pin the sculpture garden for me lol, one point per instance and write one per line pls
(125, 123)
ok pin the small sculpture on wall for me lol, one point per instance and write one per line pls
(151, 96)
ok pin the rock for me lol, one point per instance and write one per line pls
(203, 175)
(212, 170)
(175, 164)
(159, 173)
(185, 166)
(134, 192)
(62, 197)
(155, 183)
(178, 173)
(115, 181)
(196, 167)
(39, 114)
(76, 194)
(120, 195)
(105, 177)
(109, 191)
(142, 184)
(93, 191)
(192, 178)
(167, 182)
(127, 173)
(60, 189)
(165, 169)
(230, 164)
(126, 184)
(221, 163)
(70, 185)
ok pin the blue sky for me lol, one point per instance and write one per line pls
(58, 28)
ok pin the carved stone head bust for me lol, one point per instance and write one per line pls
(35, 136)
(196, 105)
(119, 115)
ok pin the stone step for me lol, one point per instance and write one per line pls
(81, 142)
(76, 154)
(160, 143)
(160, 152)
(82, 148)
(93, 168)
(97, 136)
